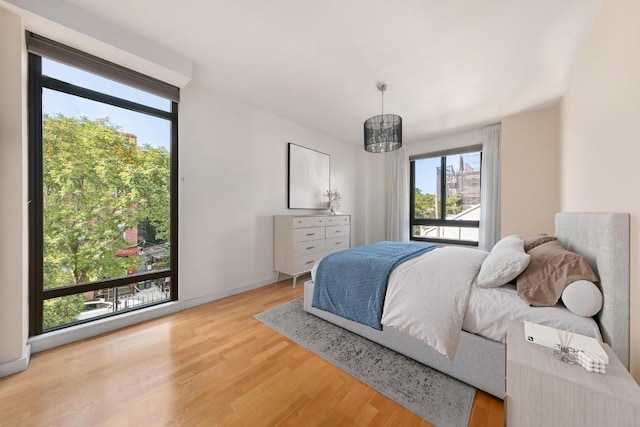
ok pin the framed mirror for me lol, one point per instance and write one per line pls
(308, 178)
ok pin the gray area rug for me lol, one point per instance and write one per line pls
(430, 394)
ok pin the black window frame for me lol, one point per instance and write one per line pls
(36, 83)
(439, 222)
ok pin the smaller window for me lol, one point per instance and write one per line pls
(445, 198)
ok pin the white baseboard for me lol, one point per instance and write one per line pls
(18, 365)
(64, 336)
(226, 293)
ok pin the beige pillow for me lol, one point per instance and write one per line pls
(537, 240)
(551, 269)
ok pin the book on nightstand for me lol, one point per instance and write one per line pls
(548, 337)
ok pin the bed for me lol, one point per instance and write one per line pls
(603, 240)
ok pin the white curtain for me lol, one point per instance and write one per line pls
(398, 195)
(490, 188)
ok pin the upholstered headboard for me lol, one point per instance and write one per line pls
(603, 239)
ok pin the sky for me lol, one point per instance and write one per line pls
(149, 130)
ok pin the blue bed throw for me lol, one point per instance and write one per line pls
(353, 283)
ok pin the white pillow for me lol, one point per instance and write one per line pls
(504, 263)
(582, 297)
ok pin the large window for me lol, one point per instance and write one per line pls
(445, 197)
(103, 210)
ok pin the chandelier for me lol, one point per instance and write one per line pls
(382, 132)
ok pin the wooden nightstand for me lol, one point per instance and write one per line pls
(543, 391)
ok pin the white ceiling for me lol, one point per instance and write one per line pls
(449, 64)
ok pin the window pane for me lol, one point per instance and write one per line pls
(427, 184)
(106, 192)
(92, 81)
(88, 305)
(448, 233)
(463, 187)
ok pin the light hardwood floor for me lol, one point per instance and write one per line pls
(212, 365)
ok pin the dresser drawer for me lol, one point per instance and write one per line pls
(336, 244)
(306, 234)
(308, 247)
(305, 262)
(336, 231)
(337, 220)
(308, 221)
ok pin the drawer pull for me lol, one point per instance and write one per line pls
(309, 262)
(337, 243)
(311, 234)
(310, 247)
(338, 231)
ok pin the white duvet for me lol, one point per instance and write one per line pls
(427, 296)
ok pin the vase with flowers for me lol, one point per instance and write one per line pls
(334, 200)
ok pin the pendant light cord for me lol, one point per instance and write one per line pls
(382, 87)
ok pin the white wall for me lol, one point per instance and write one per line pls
(530, 172)
(13, 211)
(601, 133)
(233, 179)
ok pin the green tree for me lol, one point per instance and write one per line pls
(151, 189)
(97, 183)
(454, 206)
(59, 311)
(425, 205)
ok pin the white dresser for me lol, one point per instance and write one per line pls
(301, 240)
